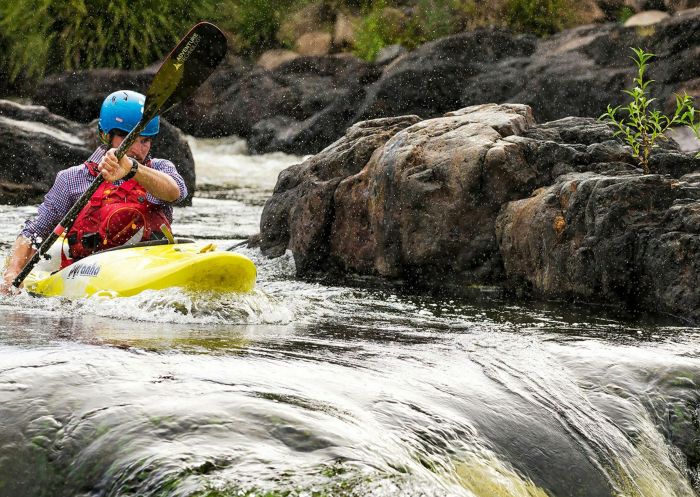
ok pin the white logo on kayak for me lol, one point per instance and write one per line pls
(187, 51)
(83, 270)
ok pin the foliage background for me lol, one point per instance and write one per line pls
(40, 37)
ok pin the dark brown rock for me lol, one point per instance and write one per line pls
(486, 196)
(300, 107)
(78, 95)
(608, 237)
(309, 183)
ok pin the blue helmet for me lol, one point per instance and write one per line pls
(123, 110)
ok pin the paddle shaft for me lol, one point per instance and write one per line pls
(67, 222)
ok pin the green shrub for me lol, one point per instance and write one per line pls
(434, 19)
(382, 25)
(643, 126)
(370, 36)
(252, 23)
(540, 17)
(624, 13)
(45, 36)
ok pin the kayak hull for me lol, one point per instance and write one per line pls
(129, 271)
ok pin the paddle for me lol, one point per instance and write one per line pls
(180, 74)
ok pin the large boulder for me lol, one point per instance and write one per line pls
(78, 95)
(301, 208)
(617, 236)
(420, 205)
(429, 80)
(198, 114)
(299, 107)
(35, 144)
(486, 196)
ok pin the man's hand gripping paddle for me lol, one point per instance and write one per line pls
(182, 71)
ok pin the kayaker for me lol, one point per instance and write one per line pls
(131, 205)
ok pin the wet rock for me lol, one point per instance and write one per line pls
(198, 115)
(34, 146)
(621, 237)
(420, 205)
(78, 95)
(484, 195)
(646, 18)
(300, 107)
(427, 81)
(312, 183)
(576, 72)
(581, 71)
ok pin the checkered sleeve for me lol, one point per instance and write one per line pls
(56, 203)
(167, 167)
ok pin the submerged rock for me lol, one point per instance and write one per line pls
(486, 196)
(36, 144)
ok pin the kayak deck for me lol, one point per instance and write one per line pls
(128, 271)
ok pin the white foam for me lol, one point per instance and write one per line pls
(226, 162)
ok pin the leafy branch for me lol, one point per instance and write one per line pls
(643, 126)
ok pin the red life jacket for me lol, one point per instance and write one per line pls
(114, 216)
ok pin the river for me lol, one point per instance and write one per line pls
(309, 389)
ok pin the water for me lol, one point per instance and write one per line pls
(305, 389)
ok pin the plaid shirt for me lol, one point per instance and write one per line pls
(71, 183)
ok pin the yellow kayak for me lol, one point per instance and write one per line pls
(127, 271)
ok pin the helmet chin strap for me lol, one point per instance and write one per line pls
(105, 138)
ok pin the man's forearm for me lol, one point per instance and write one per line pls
(21, 252)
(158, 184)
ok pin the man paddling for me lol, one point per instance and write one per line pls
(131, 205)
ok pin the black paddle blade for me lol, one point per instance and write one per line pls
(185, 68)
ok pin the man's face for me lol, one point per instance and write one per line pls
(138, 150)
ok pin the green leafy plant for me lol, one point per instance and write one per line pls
(540, 17)
(370, 35)
(624, 13)
(45, 36)
(254, 24)
(644, 126)
(382, 25)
